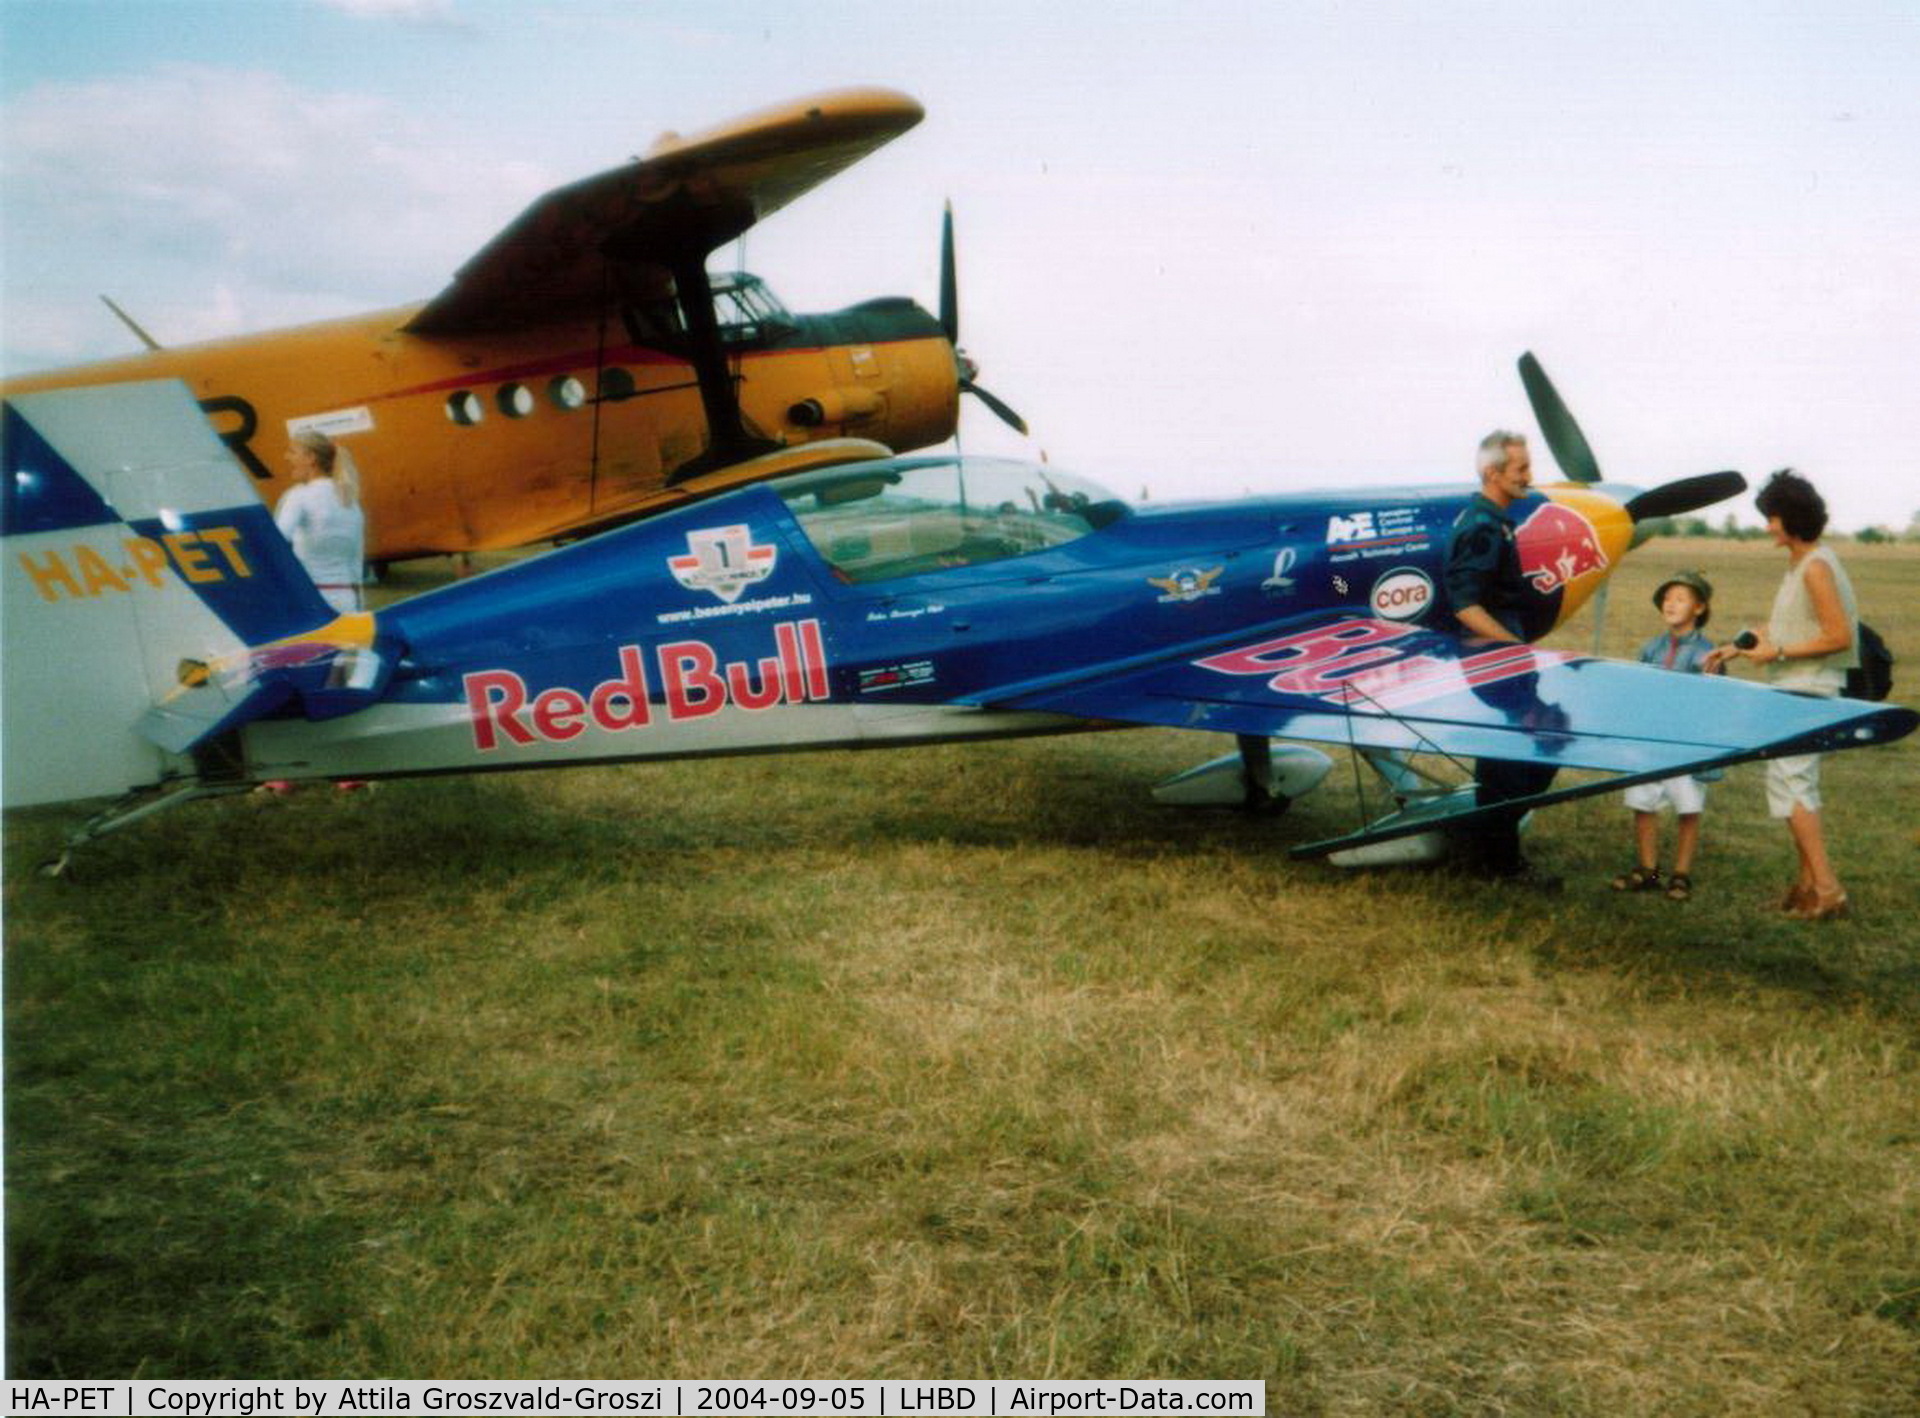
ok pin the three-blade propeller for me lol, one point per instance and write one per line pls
(950, 323)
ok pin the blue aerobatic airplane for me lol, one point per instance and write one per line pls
(162, 644)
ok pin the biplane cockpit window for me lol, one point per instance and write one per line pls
(876, 522)
(747, 312)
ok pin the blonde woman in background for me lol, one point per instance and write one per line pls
(321, 516)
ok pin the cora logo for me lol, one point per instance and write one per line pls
(1402, 595)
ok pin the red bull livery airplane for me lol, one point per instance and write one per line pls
(162, 644)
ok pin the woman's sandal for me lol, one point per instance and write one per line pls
(1679, 887)
(1825, 908)
(1639, 879)
(1797, 899)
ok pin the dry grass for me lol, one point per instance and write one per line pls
(973, 1062)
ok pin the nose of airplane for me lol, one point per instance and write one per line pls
(1571, 543)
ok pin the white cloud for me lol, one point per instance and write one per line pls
(415, 12)
(307, 203)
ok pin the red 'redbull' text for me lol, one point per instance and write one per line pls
(694, 683)
(1355, 663)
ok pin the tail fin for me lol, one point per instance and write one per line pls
(136, 554)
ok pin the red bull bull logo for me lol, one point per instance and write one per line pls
(1557, 547)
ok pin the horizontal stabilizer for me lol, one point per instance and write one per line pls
(324, 677)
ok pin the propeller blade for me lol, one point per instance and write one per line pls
(950, 326)
(1570, 448)
(1685, 495)
(949, 282)
(999, 406)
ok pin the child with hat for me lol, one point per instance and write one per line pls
(1685, 601)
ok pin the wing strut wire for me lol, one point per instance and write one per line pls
(1349, 692)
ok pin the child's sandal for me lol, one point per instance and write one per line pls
(1639, 879)
(1679, 887)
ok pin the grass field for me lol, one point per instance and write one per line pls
(974, 1062)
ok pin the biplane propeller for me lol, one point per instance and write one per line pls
(968, 371)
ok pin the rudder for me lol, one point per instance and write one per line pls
(134, 548)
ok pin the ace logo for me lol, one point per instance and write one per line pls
(1357, 528)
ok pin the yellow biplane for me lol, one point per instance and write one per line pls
(586, 367)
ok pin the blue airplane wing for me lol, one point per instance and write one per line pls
(1379, 684)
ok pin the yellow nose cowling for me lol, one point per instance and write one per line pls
(1577, 556)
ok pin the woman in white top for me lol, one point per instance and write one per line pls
(321, 516)
(1810, 642)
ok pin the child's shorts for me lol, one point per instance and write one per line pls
(1686, 794)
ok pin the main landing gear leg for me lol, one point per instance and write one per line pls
(1256, 776)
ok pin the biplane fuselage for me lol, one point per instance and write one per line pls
(585, 367)
(500, 440)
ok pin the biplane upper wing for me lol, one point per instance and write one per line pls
(1382, 685)
(687, 196)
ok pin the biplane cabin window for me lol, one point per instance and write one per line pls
(880, 521)
(567, 392)
(514, 400)
(654, 323)
(464, 408)
(746, 311)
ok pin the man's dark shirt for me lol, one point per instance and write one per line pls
(1483, 564)
(1483, 569)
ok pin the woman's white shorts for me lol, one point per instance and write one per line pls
(1793, 782)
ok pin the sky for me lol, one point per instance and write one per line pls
(1205, 249)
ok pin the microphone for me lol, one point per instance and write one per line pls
(1745, 640)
